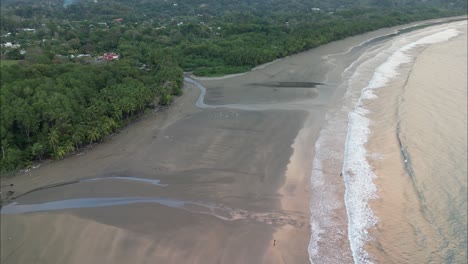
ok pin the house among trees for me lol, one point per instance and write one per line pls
(11, 45)
(109, 56)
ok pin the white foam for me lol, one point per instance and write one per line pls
(327, 230)
(358, 177)
(357, 173)
(316, 183)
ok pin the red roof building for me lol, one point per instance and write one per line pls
(110, 56)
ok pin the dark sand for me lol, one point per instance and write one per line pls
(227, 157)
(245, 173)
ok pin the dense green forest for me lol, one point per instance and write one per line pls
(58, 93)
(49, 110)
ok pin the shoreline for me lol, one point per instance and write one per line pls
(361, 216)
(328, 202)
(256, 162)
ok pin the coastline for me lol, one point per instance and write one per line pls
(360, 177)
(257, 162)
(327, 206)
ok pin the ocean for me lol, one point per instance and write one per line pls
(399, 141)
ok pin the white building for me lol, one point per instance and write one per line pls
(11, 45)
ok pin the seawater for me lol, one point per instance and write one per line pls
(405, 198)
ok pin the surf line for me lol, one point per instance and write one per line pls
(357, 173)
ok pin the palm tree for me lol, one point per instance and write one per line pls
(77, 138)
(93, 134)
(54, 138)
(60, 152)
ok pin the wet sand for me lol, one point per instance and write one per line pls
(233, 178)
(226, 157)
(230, 158)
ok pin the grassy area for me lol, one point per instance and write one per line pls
(4, 63)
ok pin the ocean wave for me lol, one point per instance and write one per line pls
(328, 228)
(357, 172)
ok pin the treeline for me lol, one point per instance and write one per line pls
(49, 110)
(241, 47)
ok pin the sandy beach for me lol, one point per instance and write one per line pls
(224, 178)
(223, 158)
